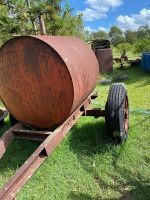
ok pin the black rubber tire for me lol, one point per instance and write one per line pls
(117, 112)
(12, 120)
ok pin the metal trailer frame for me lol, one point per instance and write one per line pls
(50, 140)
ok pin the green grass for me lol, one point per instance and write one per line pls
(87, 165)
(130, 55)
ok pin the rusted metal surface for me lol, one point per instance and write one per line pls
(50, 142)
(6, 139)
(96, 112)
(105, 60)
(100, 44)
(43, 79)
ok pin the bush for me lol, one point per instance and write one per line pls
(123, 46)
(141, 45)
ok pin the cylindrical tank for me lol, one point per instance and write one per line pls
(148, 62)
(43, 79)
(105, 60)
(143, 61)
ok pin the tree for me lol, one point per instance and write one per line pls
(141, 45)
(143, 32)
(7, 25)
(123, 47)
(61, 21)
(21, 17)
(98, 35)
(116, 36)
(130, 36)
(87, 35)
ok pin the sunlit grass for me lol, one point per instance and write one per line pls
(86, 165)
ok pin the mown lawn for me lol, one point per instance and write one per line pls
(87, 165)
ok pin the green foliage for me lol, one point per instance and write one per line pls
(141, 45)
(22, 18)
(115, 31)
(123, 46)
(116, 36)
(86, 165)
(143, 32)
(63, 23)
(5, 24)
(130, 36)
(98, 35)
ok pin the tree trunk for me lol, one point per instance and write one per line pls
(34, 27)
(32, 20)
(42, 25)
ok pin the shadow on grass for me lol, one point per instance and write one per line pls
(135, 194)
(135, 75)
(16, 154)
(91, 139)
(86, 140)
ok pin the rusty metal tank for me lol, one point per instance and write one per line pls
(105, 60)
(104, 55)
(43, 79)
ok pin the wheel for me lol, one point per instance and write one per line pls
(12, 120)
(117, 112)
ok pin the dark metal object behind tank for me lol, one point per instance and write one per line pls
(104, 55)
